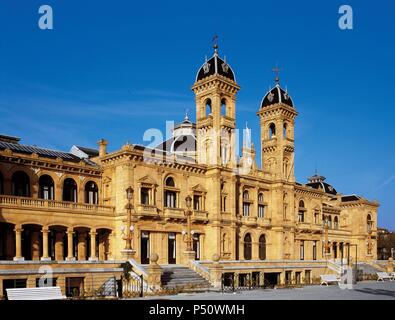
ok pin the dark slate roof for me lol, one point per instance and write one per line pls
(327, 188)
(89, 151)
(9, 139)
(350, 198)
(185, 143)
(215, 65)
(276, 95)
(47, 153)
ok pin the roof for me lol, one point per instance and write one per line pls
(317, 182)
(276, 95)
(215, 65)
(89, 151)
(43, 152)
(350, 198)
(9, 139)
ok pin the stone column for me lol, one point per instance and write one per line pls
(18, 243)
(216, 270)
(61, 282)
(70, 245)
(154, 272)
(93, 245)
(45, 233)
(59, 246)
(81, 254)
(35, 245)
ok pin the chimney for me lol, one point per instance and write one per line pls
(102, 147)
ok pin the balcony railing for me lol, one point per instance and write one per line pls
(264, 222)
(201, 216)
(144, 210)
(249, 221)
(174, 214)
(52, 205)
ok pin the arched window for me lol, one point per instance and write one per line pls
(261, 206)
(247, 247)
(272, 131)
(223, 107)
(91, 193)
(208, 107)
(46, 187)
(369, 222)
(262, 247)
(336, 223)
(260, 197)
(69, 190)
(170, 194)
(246, 204)
(301, 211)
(330, 222)
(285, 130)
(20, 184)
(1, 184)
(170, 182)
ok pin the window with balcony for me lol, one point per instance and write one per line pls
(261, 206)
(301, 252)
(144, 196)
(197, 202)
(69, 190)
(246, 203)
(301, 211)
(316, 217)
(336, 223)
(91, 193)
(170, 195)
(46, 188)
(20, 184)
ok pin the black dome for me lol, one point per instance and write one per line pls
(215, 65)
(276, 95)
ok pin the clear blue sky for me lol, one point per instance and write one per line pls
(113, 69)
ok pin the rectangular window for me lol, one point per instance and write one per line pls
(246, 209)
(314, 250)
(301, 250)
(223, 204)
(197, 202)
(261, 211)
(301, 217)
(170, 199)
(145, 196)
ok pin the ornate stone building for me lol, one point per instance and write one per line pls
(70, 210)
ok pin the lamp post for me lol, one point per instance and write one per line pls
(128, 251)
(326, 241)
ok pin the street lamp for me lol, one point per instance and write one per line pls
(188, 213)
(129, 227)
(326, 241)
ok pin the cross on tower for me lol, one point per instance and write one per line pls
(277, 70)
(215, 41)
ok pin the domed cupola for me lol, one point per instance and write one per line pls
(215, 65)
(277, 95)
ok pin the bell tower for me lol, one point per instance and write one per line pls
(277, 121)
(215, 91)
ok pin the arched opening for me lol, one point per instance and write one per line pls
(57, 243)
(330, 222)
(223, 108)
(20, 184)
(103, 244)
(301, 211)
(336, 223)
(7, 241)
(91, 193)
(272, 131)
(32, 242)
(285, 130)
(170, 194)
(369, 222)
(208, 107)
(46, 187)
(247, 247)
(246, 203)
(262, 247)
(69, 190)
(261, 206)
(1, 183)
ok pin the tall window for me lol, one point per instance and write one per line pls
(91, 193)
(262, 247)
(144, 196)
(316, 217)
(223, 107)
(246, 204)
(69, 190)
(223, 198)
(369, 222)
(272, 131)
(285, 130)
(336, 223)
(301, 211)
(170, 193)
(208, 107)
(301, 250)
(314, 250)
(247, 247)
(330, 222)
(197, 202)
(261, 206)
(46, 187)
(20, 184)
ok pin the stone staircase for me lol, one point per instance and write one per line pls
(183, 279)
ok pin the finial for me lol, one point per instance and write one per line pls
(186, 115)
(215, 45)
(277, 70)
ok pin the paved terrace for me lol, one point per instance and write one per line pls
(366, 290)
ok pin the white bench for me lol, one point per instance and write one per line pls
(40, 293)
(384, 275)
(327, 278)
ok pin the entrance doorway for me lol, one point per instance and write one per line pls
(171, 248)
(145, 247)
(196, 246)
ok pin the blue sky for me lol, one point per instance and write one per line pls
(113, 69)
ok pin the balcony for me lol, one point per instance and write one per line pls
(303, 226)
(147, 211)
(12, 202)
(200, 216)
(264, 222)
(249, 221)
(174, 214)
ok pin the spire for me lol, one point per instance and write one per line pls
(186, 118)
(215, 44)
(277, 70)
